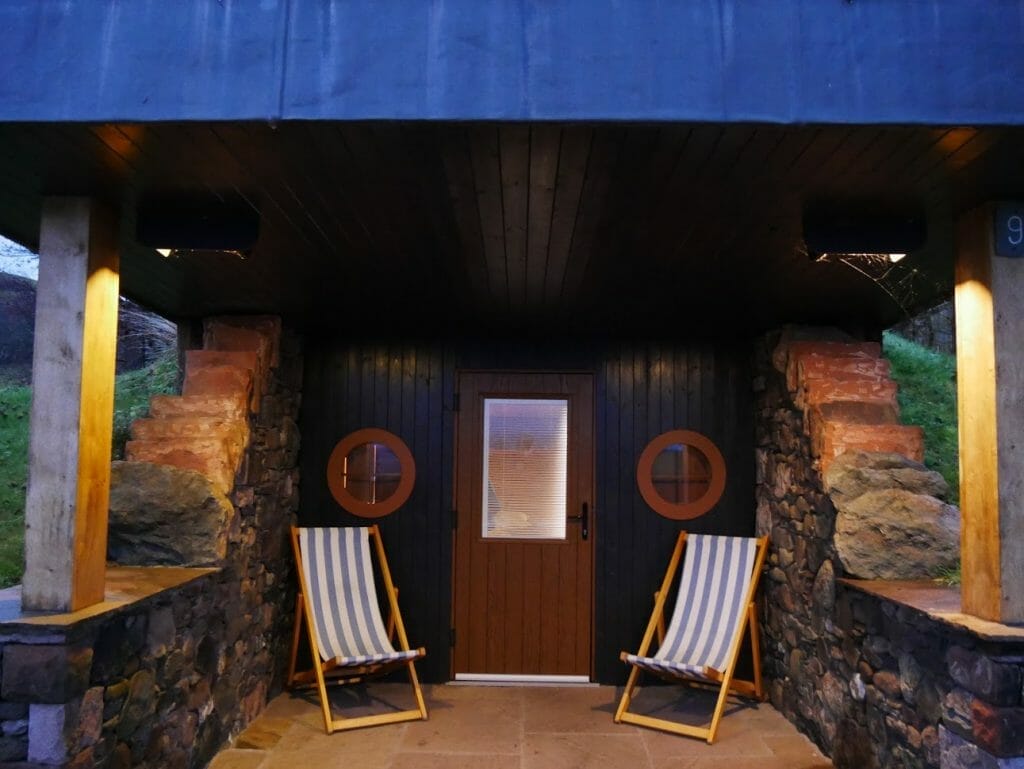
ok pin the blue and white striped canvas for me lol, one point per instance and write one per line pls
(338, 572)
(709, 608)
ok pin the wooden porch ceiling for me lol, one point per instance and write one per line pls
(470, 226)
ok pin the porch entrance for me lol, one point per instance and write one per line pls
(524, 480)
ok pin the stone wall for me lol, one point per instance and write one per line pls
(874, 682)
(166, 681)
(934, 328)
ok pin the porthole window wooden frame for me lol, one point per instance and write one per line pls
(336, 465)
(682, 511)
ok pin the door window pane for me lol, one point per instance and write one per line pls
(525, 468)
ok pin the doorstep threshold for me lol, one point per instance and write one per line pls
(516, 679)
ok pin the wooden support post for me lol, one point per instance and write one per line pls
(990, 394)
(72, 407)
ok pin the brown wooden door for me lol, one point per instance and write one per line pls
(523, 598)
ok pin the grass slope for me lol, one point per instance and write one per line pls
(131, 401)
(927, 397)
(14, 404)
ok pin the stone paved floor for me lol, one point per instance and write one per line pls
(480, 727)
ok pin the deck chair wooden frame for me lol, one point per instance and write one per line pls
(344, 669)
(722, 679)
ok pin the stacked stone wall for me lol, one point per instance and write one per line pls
(876, 684)
(165, 682)
(935, 328)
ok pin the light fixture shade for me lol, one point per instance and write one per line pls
(855, 230)
(197, 222)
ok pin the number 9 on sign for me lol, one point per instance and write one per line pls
(1009, 229)
(1016, 227)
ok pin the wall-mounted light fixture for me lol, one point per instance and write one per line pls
(861, 231)
(185, 223)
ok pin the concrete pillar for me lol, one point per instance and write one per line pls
(72, 407)
(990, 390)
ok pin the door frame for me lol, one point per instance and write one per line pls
(593, 523)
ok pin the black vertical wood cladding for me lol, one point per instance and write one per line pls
(642, 389)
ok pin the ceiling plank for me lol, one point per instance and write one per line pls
(486, 156)
(514, 162)
(574, 154)
(545, 156)
(604, 153)
(458, 173)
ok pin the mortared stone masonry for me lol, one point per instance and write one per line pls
(165, 681)
(876, 682)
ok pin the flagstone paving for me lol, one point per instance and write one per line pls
(491, 727)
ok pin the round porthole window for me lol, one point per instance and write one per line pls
(681, 474)
(371, 473)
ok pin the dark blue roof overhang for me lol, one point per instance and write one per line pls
(942, 62)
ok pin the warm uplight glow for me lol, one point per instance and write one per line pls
(878, 257)
(178, 253)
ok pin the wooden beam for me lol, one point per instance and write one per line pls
(990, 394)
(72, 407)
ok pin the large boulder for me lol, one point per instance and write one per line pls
(163, 515)
(17, 319)
(856, 472)
(891, 522)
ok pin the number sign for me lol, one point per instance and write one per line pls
(1009, 226)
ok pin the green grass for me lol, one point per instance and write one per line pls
(927, 397)
(14, 403)
(134, 389)
(131, 401)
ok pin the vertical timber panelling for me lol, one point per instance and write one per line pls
(641, 390)
(644, 390)
(403, 388)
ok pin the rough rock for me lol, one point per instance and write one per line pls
(162, 515)
(896, 534)
(857, 472)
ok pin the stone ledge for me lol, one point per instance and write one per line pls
(938, 602)
(126, 586)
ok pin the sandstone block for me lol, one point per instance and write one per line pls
(219, 380)
(261, 334)
(839, 438)
(246, 359)
(818, 366)
(796, 350)
(896, 534)
(166, 515)
(235, 431)
(45, 674)
(879, 391)
(228, 406)
(209, 457)
(855, 412)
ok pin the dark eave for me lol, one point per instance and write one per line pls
(564, 227)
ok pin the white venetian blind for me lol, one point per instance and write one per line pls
(525, 468)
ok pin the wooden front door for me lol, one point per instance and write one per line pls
(524, 538)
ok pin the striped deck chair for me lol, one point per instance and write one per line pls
(338, 603)
(714, 606)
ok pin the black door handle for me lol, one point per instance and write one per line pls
(585, 521)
